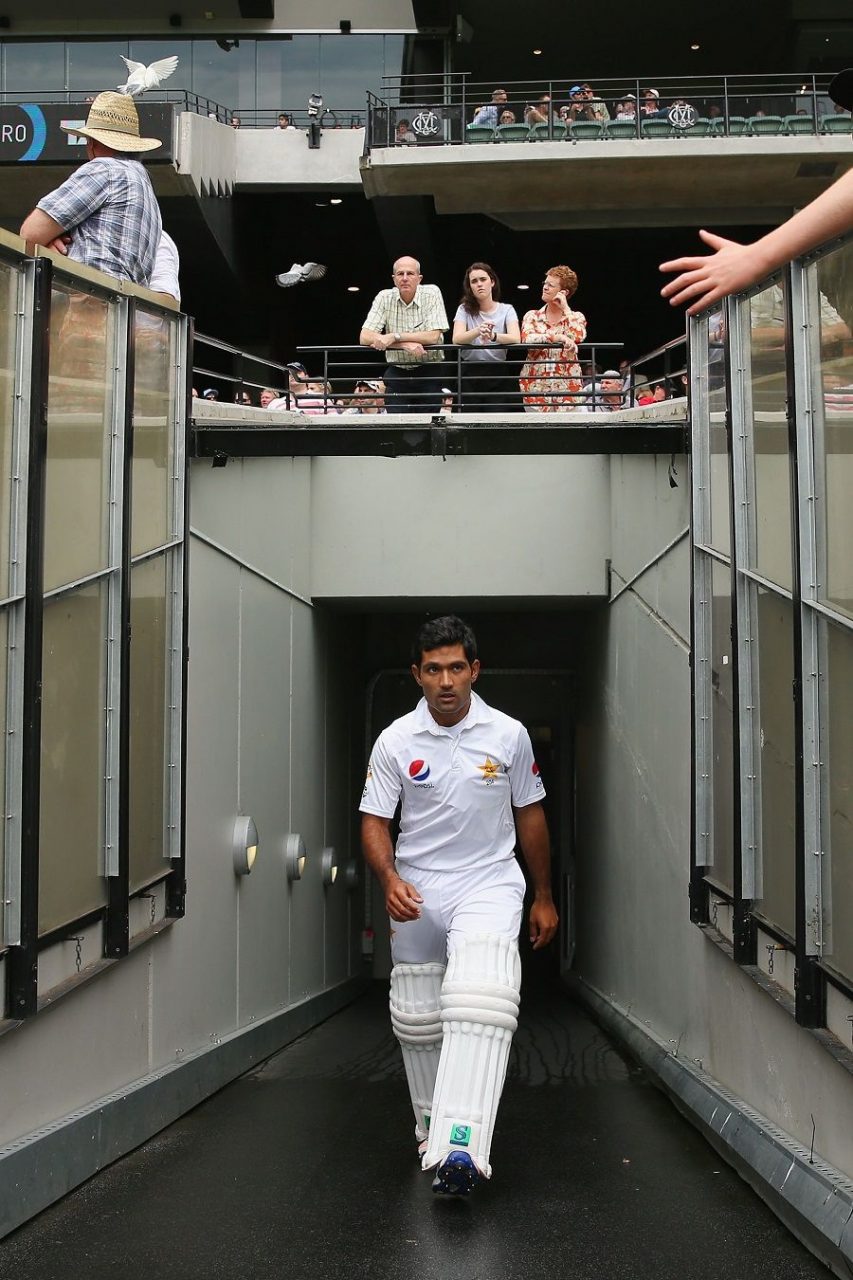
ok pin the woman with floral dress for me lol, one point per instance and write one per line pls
(551, 378)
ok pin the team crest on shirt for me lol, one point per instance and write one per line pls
(367, 782)
(534, 769)
(490, 770)
(419, 774)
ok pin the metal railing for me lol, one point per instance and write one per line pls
(299, 117)
(454, 109)
(181, 98)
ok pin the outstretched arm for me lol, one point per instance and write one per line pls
(704, 280)
(532, 832)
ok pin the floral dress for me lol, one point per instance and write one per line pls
(548, 375)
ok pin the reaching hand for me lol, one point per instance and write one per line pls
(705, 280)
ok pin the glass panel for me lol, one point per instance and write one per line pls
(771, 557)
(288, 71)
(224, 77)
(720, 491)
(149, 723)
(153, 397)
(9, 281)
(96, 65)
(349, 66)
(34, 69)
(4, 637)
(72, 757)
(839, 702)
(776, 710)
(835, 282)
(722, 726)
(80, 405)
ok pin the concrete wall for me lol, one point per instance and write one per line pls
(465, 527)
(268, 724)
(637, 946)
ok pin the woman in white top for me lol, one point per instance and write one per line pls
(484, 327)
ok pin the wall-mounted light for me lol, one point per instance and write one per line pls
(244, 844)
(329, 866)
(352, 288)
(295, 856)
(351, 876)
(175, 19)
(346, 26)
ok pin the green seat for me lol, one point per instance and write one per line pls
(546, 133)
(658, 129)
(585, 129)
(799, 124)
(479, 133)
(620, 129)
(701, 128)
(512, 133)
(836, 124)
(764, 124)
(737, 125)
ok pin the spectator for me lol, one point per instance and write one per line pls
(627, 108)
(268, 394)
(551, 378)
(488, 115)
(507, 117)
(484, 327)
(369, 397)
(242, 397)
(195, 395)
(235, 122)
(650, 105)
(632, 379)
(597, 107)
(538, 112)
(577, 108)
(715, 112)
(107, 206)
(403, 136)
(406, 322)
(284, 121)
(607, 394)
(447, 400)
(210, 393)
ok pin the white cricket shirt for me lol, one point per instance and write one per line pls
(457, 786)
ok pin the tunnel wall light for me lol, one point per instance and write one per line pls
(329, 866)
(351, 876)
(244, 844)
(295, 856)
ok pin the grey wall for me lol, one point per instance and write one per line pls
(637, 946)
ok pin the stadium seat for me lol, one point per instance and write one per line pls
(479, 133)
(585, 129)
(764, 124)
(799, 124)
(658, 129)
(702, 128)
(836, 124)
(542, 133)
(737, 125)
(512, 133)
(620, 129)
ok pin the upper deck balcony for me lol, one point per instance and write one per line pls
(729, 149)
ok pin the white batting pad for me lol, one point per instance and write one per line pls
(416, 1019)
(479, 1013)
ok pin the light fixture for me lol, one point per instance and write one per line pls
(537, 52)
(352, 288)
(694, 47)
(295, 856)
(244, 844)
(351, 876)
(336, 200)
(329, 865)
(522, 286)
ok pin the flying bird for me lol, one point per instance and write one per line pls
(141, 77)
(299, 274)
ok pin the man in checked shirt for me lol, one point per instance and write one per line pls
(414, 321)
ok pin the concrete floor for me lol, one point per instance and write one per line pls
(307, 1168)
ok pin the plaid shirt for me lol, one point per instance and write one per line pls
(424, 313)
(109, 207)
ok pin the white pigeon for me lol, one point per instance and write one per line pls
(299, 274)
(141, 77)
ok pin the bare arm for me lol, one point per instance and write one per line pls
(401, 899)
(39, 228)
(532, 832)
(733, 266)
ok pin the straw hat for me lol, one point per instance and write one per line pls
(113, 120)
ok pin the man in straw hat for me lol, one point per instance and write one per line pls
(107, 206)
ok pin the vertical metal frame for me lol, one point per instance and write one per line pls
(22, 960)
(748, 726)
(25, 338)
(178, 588)
(701, 593)
(811, 548)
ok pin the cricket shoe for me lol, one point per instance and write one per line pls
(457, 1175)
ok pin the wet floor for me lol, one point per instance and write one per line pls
(307, 1168)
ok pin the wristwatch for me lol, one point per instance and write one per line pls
(395, 337)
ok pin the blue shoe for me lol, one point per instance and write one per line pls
(457, 1175)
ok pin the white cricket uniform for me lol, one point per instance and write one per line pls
(457, 786)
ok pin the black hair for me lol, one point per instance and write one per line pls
(441, 632)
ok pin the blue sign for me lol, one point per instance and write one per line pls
(32, 133)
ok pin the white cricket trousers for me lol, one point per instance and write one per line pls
(456, 904)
